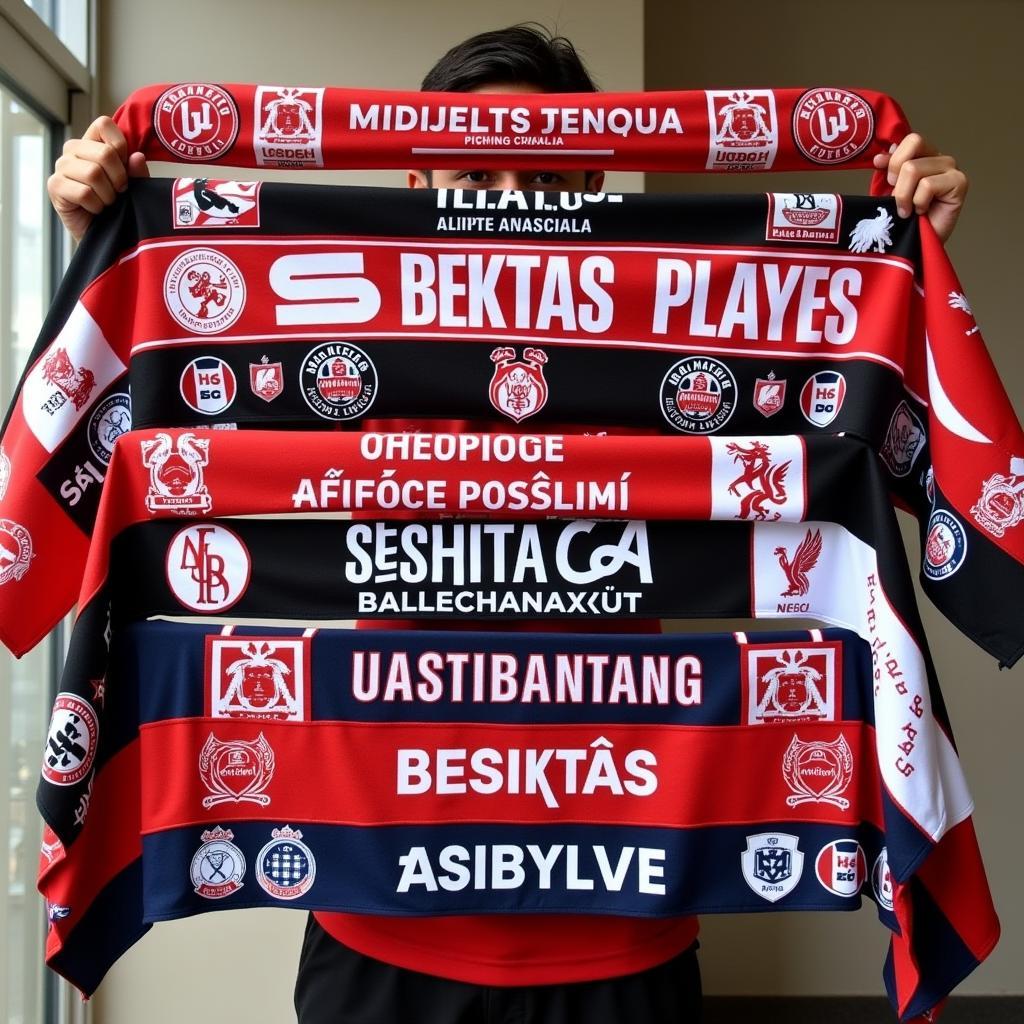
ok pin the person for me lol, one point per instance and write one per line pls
(564, 969)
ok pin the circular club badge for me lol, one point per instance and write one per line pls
(218, 866)
(71, 741)
(208, 567)
(881, 880)
(208, 385)
(15, 551)
(831, 126)
(841, 867)
(204, 291)
(945, 546)
(196, 121)
(338, 381)
(112, 418)
(285, 867)
(698, 395)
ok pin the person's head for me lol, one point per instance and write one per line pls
(520, 59)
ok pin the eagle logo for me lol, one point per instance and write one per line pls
(803, 561)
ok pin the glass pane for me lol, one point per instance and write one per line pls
(69, 20)
(24, 688)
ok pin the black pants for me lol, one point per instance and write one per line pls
(337, 985)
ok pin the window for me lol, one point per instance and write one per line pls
(44, 46)
(24, 686)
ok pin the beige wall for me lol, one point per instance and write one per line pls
(956, 69)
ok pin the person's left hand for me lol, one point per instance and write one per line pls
(925, 181)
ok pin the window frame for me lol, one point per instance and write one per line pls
(51, 82)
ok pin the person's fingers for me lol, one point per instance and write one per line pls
(949, 187)
(909, 148)
(137, 166)
(103, 129)
(68, 194)
(105, 156)
(912, 173)
(88, 173)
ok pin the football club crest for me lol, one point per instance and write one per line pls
(804, 217)
(818, 772)
(204, 291)
(872, 234)
(841, 867)
(822, 396)
(787, 685)
(266, 379)
(903, 441)
(207, 568)
(798, 566)
(176, 473)
(761, 482)
(698, 395)
(744, 133)
(832, 126)
(945, 545)
(1001, 505)
(338, 381)
(289, 126)
(110, 419)
(5, 472)
(215, 203)
(71, 741)
(196, 122)
(218, 866)
(75, 383)
(236, 770)
(286, 868)
(257, 677)
(772, 864)
(208, 385)
(881, 881)
(518, 388)
(15, 551)
(769, 395)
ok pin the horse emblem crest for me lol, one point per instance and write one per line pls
(176, 473)
(76, 384)
(764, 481)
(518, 388)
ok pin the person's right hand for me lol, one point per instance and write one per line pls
(90, 174)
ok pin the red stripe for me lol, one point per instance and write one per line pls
(347, 772)
(109, 841)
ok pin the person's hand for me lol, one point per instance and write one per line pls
(925, 181)
(90, 174)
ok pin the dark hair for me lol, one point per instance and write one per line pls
(524, 54)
